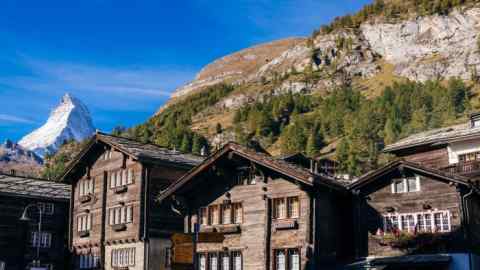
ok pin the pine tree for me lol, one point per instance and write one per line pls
(314, 143)
(186, 146)
(342, 154)
(419, 120)
(197, 144)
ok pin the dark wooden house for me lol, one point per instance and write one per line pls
(115, 222)
(455, 149)
(20, 239)
(407, 209)
(252, 211)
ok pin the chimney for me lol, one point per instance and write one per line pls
(12, 172)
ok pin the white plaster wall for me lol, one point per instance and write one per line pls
(458, 148)
(139, 255)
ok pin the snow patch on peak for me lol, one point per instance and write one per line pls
(70, 120)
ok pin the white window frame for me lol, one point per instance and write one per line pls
(405, 185)
(122, 214)
(422, 215)
(122, 177)
(84, 222)
(86, 186)
(123, 257)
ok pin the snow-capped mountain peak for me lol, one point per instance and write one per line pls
(70, 120)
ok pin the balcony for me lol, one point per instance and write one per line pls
(470, 168)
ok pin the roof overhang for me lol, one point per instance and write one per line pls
(401, 166)
(311, 180)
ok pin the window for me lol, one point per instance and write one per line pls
(121, 178)
(202, 262)
(120, 215)
(214, 215)
(123, 257)
(204, 216)
(245, 176)
(213, 262)
(47, 208)
(230, 213)
(292, 207)
(88, 261)
(225, 260)
(44, 241)
(418, 222)
(468, 157)
(84, 223)
(236, 260)
(279, 208)
(85, 187)
(226, 214)
(107, 155)
(286, 208)
(411, 184)
(287, 259)
(237, 213)
(220, 260)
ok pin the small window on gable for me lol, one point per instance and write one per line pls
(405, 185)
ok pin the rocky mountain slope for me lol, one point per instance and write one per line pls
(420, 48)
(380, 51)
(70, 120)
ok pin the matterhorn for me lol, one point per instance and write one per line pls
(70, 120)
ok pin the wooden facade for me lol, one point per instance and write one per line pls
(257, 212)
(115, 222)
(19, 239)
(404, 209)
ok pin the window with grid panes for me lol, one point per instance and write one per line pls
(85, 186)
(237, 260)
(279, 208)
(44, 240)
(287, 259)
(120, 215)
(213, 262)
(431, 221)
(84, 222)
(293, 207)
(202, 262)
(225, 261)
(123, 257)
(47, 208)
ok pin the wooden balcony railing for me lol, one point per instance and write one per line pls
(470, 167)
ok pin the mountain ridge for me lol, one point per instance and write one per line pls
(70, 120)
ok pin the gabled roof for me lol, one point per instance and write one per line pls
(143, 152)
(377, 175)
(290, 170)
(12, 185)
(435, 137)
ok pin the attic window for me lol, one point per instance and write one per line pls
(475, 120)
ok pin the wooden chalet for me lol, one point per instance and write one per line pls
(252, 211)
(115, 222)
(407, 209)
(455, 149)
(19, 239)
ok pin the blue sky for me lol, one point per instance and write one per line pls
(123, 58)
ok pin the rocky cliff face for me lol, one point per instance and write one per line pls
(419, 49)
(70, 120)
(429, 47)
